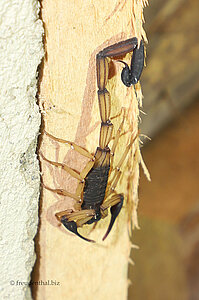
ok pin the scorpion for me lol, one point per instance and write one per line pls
(93, 196)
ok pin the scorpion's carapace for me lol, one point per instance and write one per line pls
(95, 194)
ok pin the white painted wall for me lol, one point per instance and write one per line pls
(20, 53)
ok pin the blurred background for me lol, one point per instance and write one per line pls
(167, 264)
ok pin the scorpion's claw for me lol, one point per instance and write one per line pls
(72, 226)
(115, 210)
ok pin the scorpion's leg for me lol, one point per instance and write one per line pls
(80, 187)
(77, 148)
(116, 203)
(73, 220)
(118, 134)
(117, 168)
(63, 192)
(71, 171)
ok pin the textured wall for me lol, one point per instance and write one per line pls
(20, 53)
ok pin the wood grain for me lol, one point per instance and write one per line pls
(75, 31)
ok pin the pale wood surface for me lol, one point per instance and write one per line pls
(75, 32)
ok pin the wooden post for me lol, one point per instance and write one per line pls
(75, 31)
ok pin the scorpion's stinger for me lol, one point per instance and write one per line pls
(72, 226)
(126, 75)
(115, 210)
(126, 65)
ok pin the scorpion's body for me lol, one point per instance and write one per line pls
(94, 195)
(96, 183)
